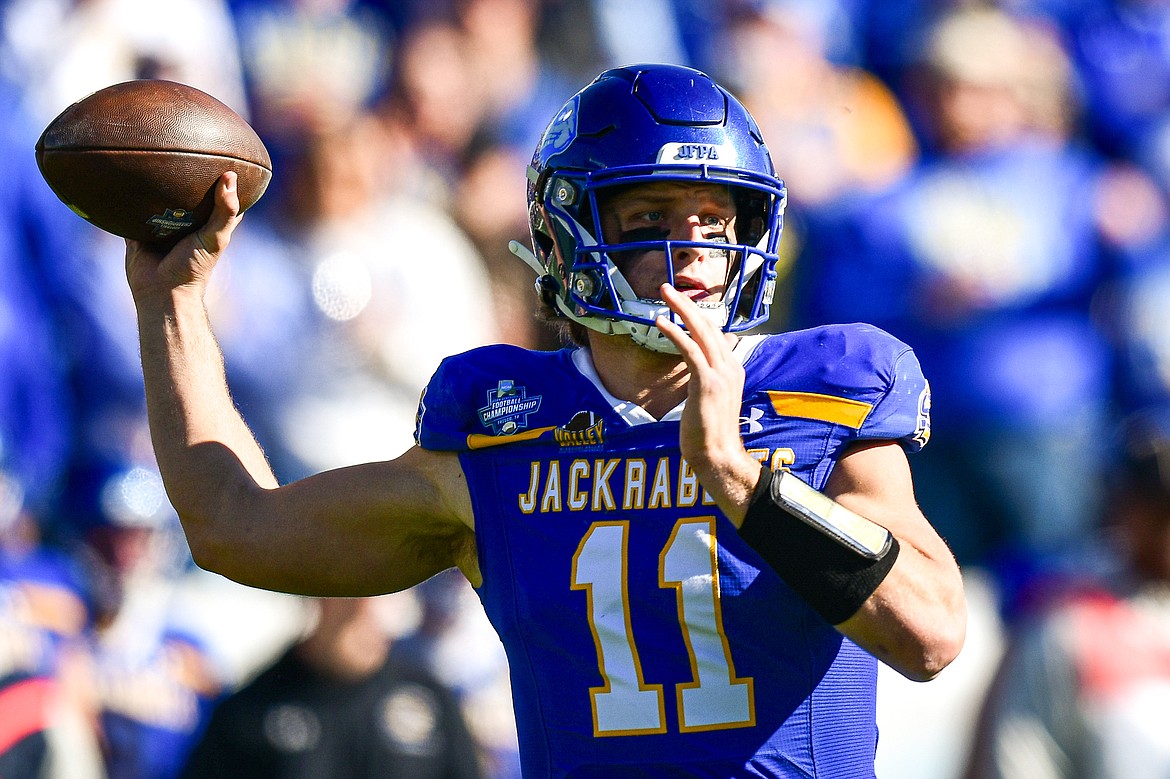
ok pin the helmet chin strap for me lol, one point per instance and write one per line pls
(525, 254)
(650, 337)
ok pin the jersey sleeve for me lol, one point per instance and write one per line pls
(902, 412)
(857, 376)
(488, 390)
(440, 422)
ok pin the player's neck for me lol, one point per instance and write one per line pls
(656, 382)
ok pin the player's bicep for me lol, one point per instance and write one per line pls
(873, 479)
(361, 530)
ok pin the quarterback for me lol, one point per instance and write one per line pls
(696, 543)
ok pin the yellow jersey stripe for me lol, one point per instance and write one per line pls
(827, 408)
(482, 441)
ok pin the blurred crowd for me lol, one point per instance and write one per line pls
(987, 181)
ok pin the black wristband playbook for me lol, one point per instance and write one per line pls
(833, 565)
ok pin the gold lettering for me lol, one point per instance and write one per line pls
(528, 499)
(551, 500)
(602, 494)
(782, 459)
(577, 498)
(660, 492)
(555, 491)
(634, 496)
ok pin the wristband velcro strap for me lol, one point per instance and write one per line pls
(828, 555)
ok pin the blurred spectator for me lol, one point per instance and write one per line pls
(887, 37)
(988, 259)
(155, 680)
(495, 213)
(46, 698)
(1084, 690)
(433, 109)
(353, 278)
(833, 129)
(521, 89)
(310, 66)
(155, 685)
(339, 704)
(62, 50)
(457, 645)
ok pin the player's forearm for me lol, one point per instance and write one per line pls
(915, 621)
(865, 558)
(208, 458)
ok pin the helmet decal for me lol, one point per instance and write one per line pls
(690, 153)
(561, 130)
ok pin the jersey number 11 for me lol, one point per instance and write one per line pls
(625, 704)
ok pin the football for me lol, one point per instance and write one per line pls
(140, 159)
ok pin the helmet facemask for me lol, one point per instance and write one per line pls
(587, 270)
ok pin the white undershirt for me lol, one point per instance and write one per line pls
(631, 412)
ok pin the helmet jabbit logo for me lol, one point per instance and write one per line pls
(561, 130)
(508, 408)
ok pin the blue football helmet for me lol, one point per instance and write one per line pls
(636, 125)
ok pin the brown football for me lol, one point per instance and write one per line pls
(140, 159)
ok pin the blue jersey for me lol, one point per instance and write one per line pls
(644, 637)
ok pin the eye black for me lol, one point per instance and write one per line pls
(644, 234)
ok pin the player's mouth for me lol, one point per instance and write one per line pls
(692, 289)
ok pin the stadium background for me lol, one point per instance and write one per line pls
(988, 181)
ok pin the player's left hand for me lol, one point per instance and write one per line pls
(709, 430)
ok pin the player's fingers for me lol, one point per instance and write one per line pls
(214, 236)
(687, 348)
(702, 329)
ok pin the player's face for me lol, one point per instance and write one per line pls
(672, 211)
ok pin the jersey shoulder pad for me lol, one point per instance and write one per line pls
(863, 366)
(490, 390)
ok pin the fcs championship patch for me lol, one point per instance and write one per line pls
(507, 409)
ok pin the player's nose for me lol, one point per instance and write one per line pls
(690, 228)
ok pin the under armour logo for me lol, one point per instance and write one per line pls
(752, 420)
